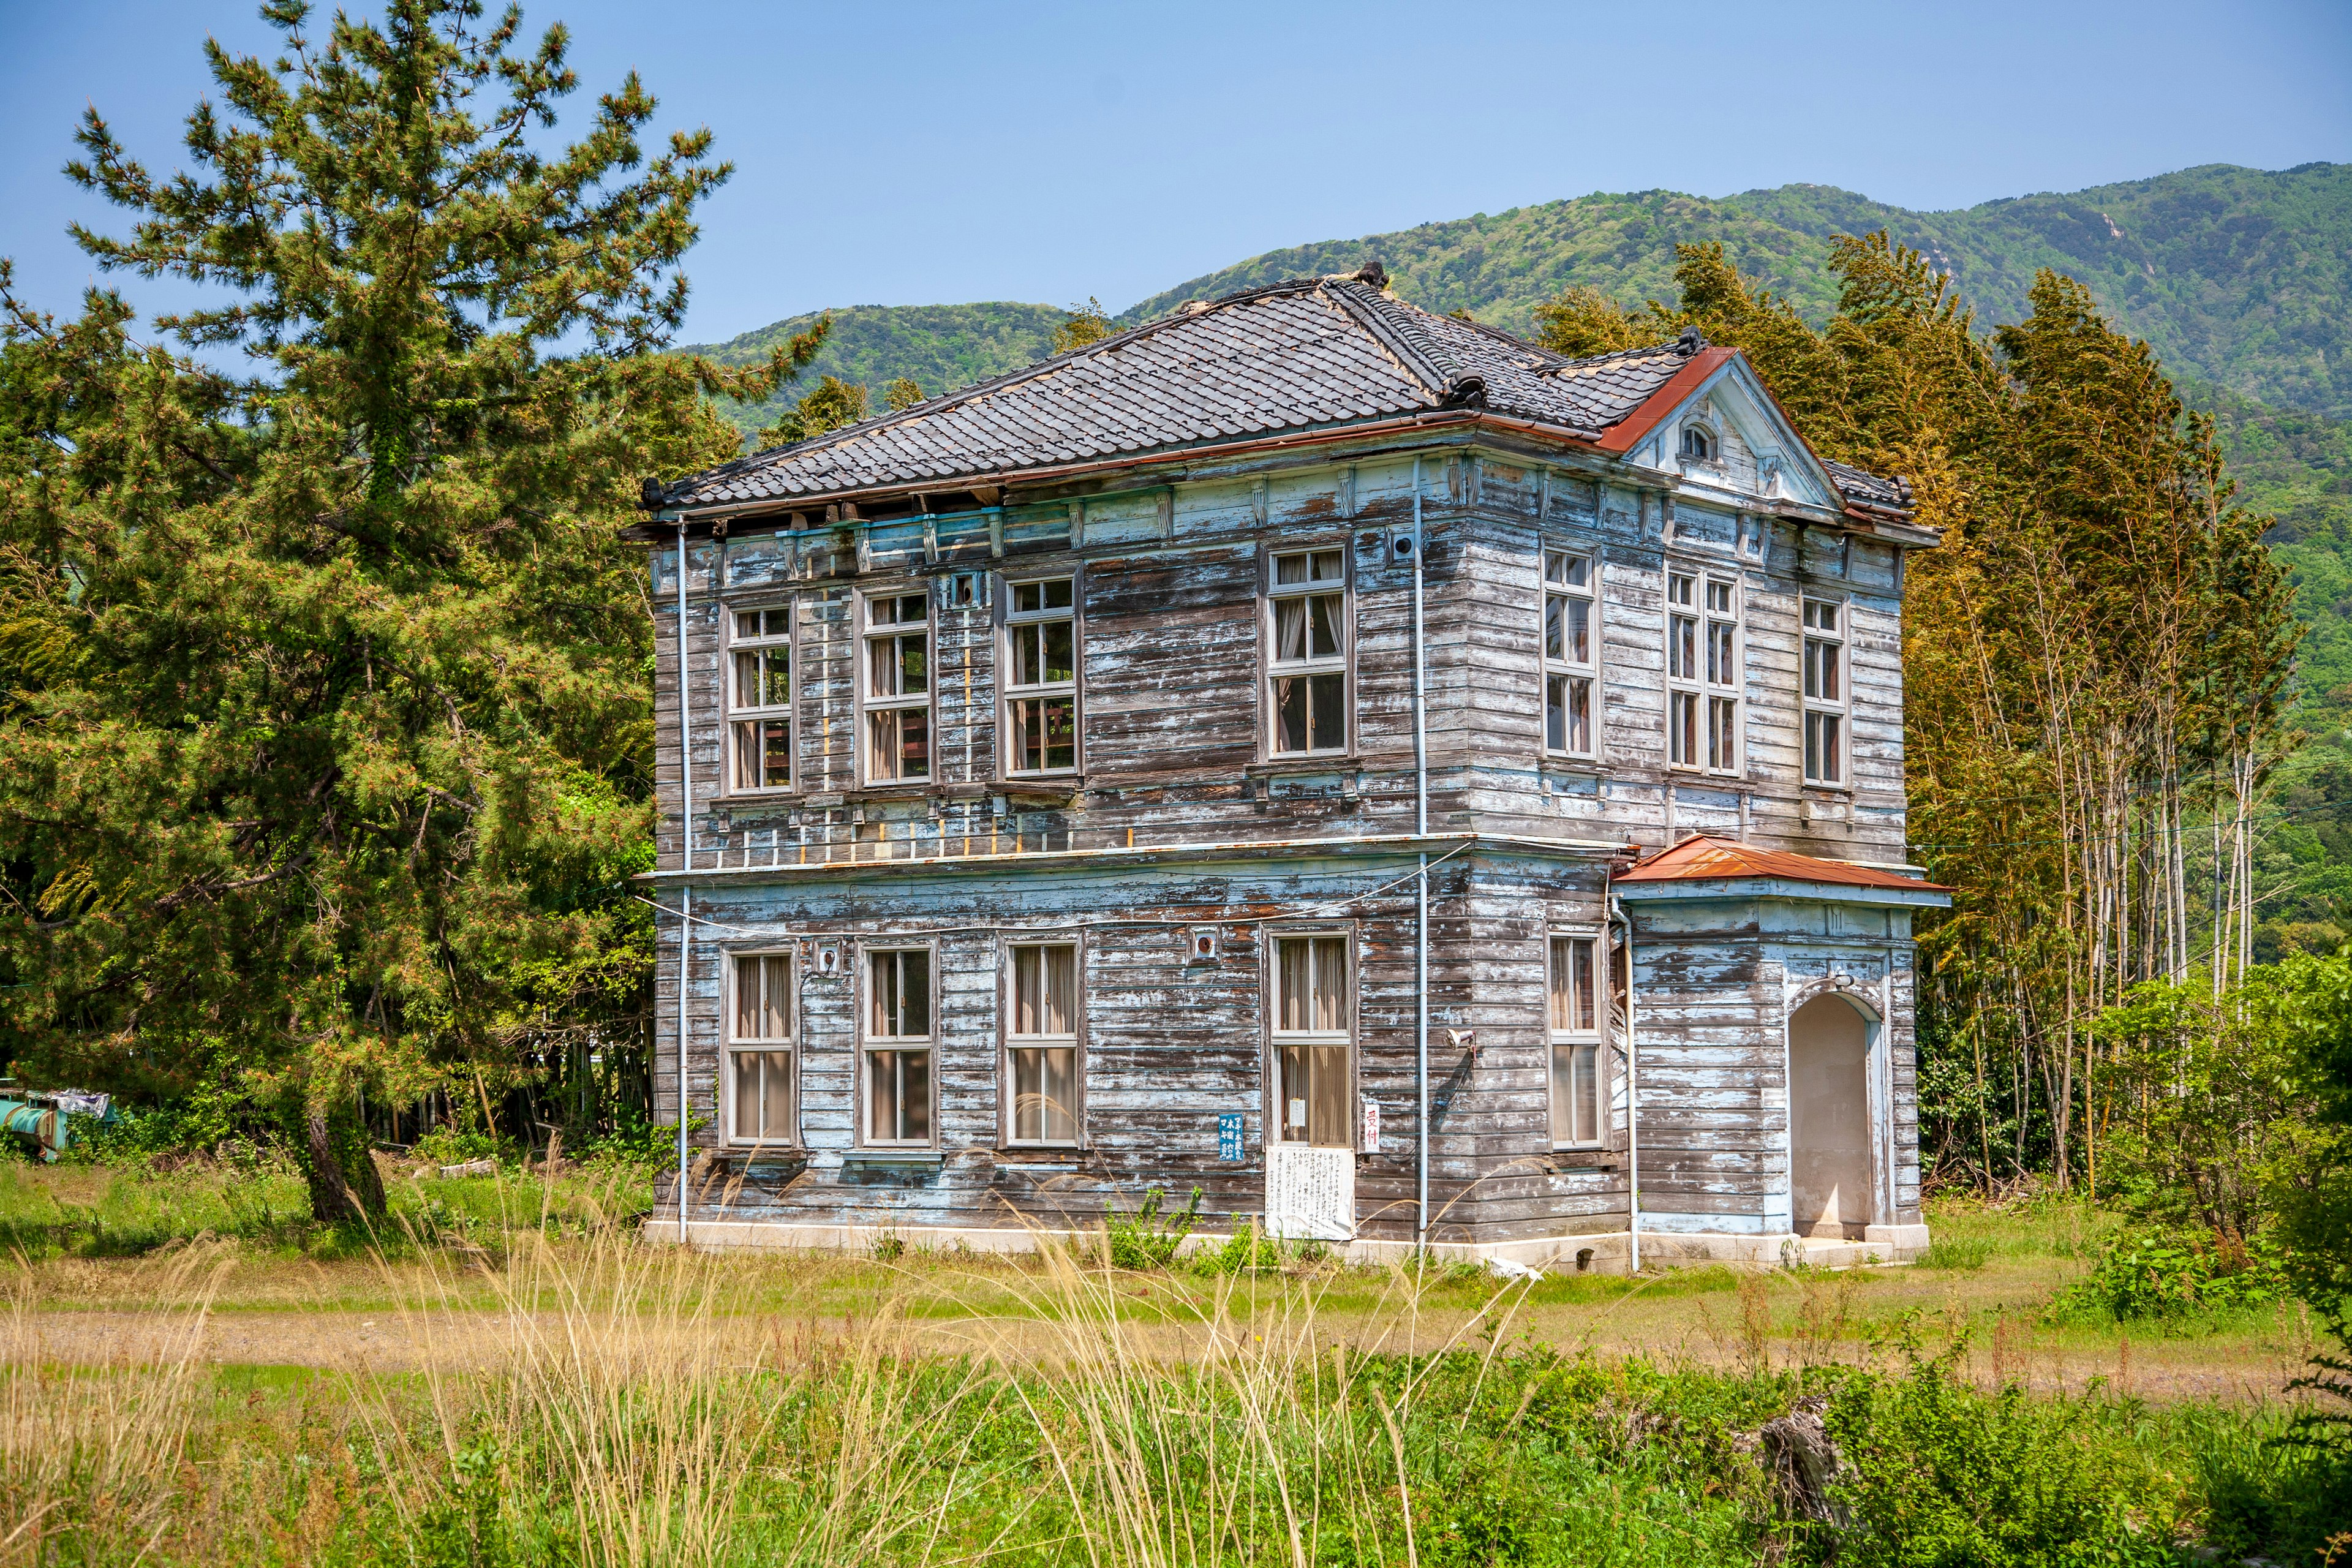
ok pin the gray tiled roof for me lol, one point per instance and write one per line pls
(1311, 353)
(1867, 488)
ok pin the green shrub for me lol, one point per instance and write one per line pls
(1939, 1473)
(451, 1146)
(2147, 1277)
(2276, 1493)
(1248, 1250)
(1145, 1239)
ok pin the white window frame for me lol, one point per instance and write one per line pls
(1342, 1039)
(762, 1046)
(1562, 674)
(1015, 1041)
(1277, 669)
(1017, 622)
(745, 720)
(871, 1044)
(1710, 443)
(871, 704)
(1570, 1038)
(1818, 649)
(1706, 657)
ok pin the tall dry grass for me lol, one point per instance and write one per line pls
(95, 1454)
(596, 1401)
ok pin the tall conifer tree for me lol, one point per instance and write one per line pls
(328, 749)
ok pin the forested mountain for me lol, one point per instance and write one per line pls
(2239, 278)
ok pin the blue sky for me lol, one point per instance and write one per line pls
(903, 154)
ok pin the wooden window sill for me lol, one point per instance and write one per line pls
(1314, 763)
(885, 1156)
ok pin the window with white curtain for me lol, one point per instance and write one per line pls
(896, 688)
(760, 696)
(898, 1046)
(760, 1049)
(1572, 654)
(1041, 1043)
(1041, 685)
(1312, 1018)
(1575, 1014)
(1306, 670)
(1824, 693)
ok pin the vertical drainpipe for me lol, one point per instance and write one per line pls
(1420, 885)
(1633, 1097)
(686, 851)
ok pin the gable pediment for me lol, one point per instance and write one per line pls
(1758, 456)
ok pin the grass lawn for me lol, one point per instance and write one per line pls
(194, 1373)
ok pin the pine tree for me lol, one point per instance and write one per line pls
(328, 749)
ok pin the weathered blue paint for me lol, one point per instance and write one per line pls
(1179, 821)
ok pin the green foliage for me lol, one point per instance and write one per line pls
(1146, 1238)
(831, 405)
(1248, 1250)
(2214, 1122)
(1087, 323)
(1942, 1474)
(327, 753)
(2168, 1278)
(2280, 1494)
(901, 394)
(2263, 316)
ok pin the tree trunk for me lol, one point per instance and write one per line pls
(344, 1183)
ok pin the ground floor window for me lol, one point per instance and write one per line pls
(1042, 1044)
(898, 1046)
(1575, 1026)
(760, 1049)
(1311, 1038)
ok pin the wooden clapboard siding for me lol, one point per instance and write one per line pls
(1175, 765)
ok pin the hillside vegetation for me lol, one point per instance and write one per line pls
(2236, 277)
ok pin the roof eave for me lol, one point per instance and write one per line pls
(1001, 478)
(1925, 896)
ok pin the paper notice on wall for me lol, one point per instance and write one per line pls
(1310, 1194)
(1371, 1139)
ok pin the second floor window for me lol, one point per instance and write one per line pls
(759, 698)
(897, 1045)
(896, 688)
(760, 1049)
(1571, 634)
(1310, 1040)
(1308, 674)
(1041, 686)
(1824, 680)
(1041, 1045)
(1575, 1023)
(1703, 673)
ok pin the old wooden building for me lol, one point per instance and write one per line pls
(1406, 783)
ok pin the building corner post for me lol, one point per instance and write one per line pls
(1420, 881)
(686, 861)
(1633, 1095)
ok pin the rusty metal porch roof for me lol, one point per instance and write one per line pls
(1702, 858)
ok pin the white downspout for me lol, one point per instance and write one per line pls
(1421, 884)
(685, 852)
(1633, 1095)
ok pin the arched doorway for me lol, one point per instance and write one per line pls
(1829, 1119)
